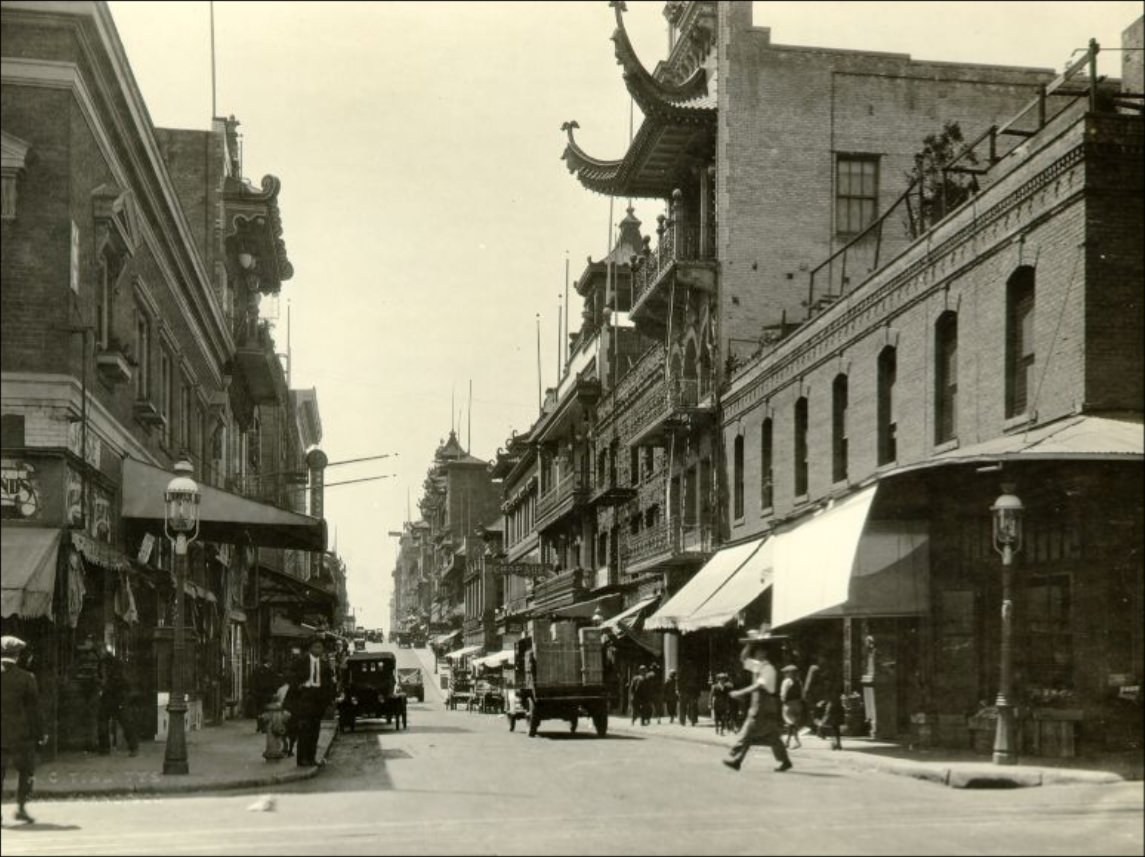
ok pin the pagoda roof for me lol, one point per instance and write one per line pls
(255, 226)
(675, 115)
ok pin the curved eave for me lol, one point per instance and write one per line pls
(651, 94)
(634, 175)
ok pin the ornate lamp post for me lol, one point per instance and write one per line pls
(181, 523)
(1007, 511)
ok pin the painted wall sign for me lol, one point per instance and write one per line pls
(20, 491)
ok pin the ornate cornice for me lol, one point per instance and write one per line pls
(255, 222)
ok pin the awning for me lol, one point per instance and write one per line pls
(628, 617)
(28, 573)
(497, 659)
(702, 586)
(223, 516)
(1076, 438)
(840, 564)
(582, 609)
(99, 553)
(746, 584)
(442, 639)
(461, 653)
(280, 626)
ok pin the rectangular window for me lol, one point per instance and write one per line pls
(946, 378)
(1019, 341)
(801, 447)
(103, 308)
(887, 426)
(856, 193)
(1049, 626)
(74, 272)
(166, 394)
(186, 413)
(634, 465)
(142, 356)
(690, 497)
(705, 491)
(766, 466)
(737, 481)
(839, 396)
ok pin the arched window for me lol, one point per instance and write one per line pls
(766, 466)
(801, 424)
(839, 395)
(946, 377)
(887, 426)
(1019, 341)
(737, 481)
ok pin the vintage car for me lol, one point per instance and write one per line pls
(370, 690)
(411, 682)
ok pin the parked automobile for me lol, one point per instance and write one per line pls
(411, 682)
(371, 691)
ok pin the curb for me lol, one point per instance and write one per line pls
(947, 775)
(164, 787)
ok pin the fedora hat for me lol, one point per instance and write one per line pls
(761, 635)
(790, 668)
(11, 646)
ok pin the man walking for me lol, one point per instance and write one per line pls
(314, 688)
(636, 694)
(762, 724)
(20, 714)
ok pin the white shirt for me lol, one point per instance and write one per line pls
(315, 679)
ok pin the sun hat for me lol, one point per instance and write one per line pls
(762, 635)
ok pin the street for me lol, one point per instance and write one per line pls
(462, 783)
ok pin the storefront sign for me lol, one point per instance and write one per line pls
(20, 492)
(520, 569)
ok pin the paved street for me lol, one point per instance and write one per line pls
(461, 783)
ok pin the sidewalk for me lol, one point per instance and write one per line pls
(228, 756)
(946, 766)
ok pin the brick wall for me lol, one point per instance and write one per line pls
(1051, 213)
(784, 114)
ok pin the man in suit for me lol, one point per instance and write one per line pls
(763, 724)
(313, 681)
(20, 713)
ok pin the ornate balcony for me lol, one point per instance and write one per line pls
(567, 495)
(662, 544)
(256, 360)
(684, 256)
(668, 405)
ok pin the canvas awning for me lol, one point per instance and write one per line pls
(839, 563)
(497, 659)
(461, 653)
(223, 516)
(702, 586)
(442, 639)
(747, 583)
(28, 573)
(583, 609)
(629, 617)
(280, 626)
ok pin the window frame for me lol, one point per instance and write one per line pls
(801, 468)
(946, 377)
(767, 464)
(840, 402)
(1021, 356)
(887, 433)
(846, 199)
(737, 478)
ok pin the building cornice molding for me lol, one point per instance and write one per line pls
(19, 390)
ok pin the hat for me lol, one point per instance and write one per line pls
(721, 675)
(762, 635)
(790, 668)
(11, 645)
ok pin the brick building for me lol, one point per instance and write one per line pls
(134, 259)
(999, 349)
(768, 157)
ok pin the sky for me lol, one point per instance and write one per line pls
(425, 208)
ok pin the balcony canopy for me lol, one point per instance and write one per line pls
(28, 573)
(223, 516)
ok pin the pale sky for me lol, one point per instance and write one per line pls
(425, 207)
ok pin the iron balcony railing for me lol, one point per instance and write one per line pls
(670, 540)
(571, 489)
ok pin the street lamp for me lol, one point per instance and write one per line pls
(1007, 511)
(181, 524)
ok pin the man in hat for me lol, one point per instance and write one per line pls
(20, 714)
(762, 724)
(636, 693)
(313, 681)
